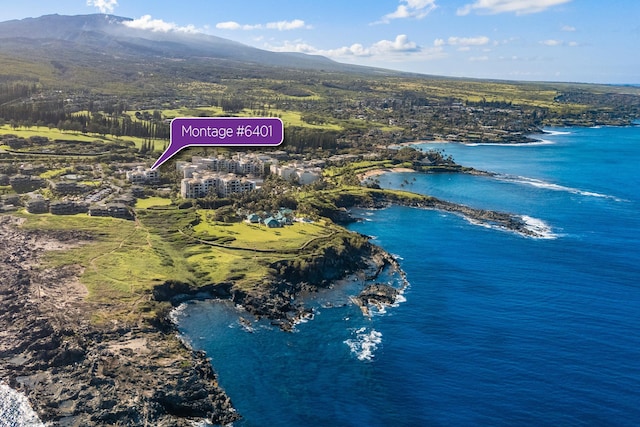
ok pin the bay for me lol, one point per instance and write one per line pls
(494, 329)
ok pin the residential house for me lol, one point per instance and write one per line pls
(37, 204)
(271, 222)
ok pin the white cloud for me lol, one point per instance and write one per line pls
(296, 24)
(287, 25)
(468, 41)
(464, 44)
(400, 44)
(479, 58)
(228, 25)
(553, 43)
(105, 6)
(146, 22)
(400, 47)
(417, 9)
(519, 7)
(568, 28)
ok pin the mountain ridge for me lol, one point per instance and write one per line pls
(108, 35)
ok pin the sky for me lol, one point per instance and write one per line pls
(592, 41)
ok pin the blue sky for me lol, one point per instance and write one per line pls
(552, 40)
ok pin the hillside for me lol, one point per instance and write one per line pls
(55, 67)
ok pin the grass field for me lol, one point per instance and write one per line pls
(289, 118)
(121, 262)
(55, 133)
(259, 236)
(152, 201)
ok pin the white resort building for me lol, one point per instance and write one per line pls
(142, 175)
(304, 172)
(199, 185)
(240, 173)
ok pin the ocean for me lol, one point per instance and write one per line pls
(494, 329)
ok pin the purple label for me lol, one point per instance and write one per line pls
(222, 131)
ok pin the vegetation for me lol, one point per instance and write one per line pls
(121, 260)
(75, 113)
(150, 202)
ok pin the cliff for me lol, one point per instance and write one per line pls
(76, 372)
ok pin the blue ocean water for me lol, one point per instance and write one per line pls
(494, 329)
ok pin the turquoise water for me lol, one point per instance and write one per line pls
(494, 329)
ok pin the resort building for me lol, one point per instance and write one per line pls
(116, 210)
(242, 164)
(67, 207)
(221, 175)
(303, 172)
(142, 175)
(68, 187)
(199, 185)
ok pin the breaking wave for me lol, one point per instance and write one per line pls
(539, 227)
(518, 144)
(538, 183)
(365, 343)
(15, 410)
(556, 132)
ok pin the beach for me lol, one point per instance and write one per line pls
(376, 172)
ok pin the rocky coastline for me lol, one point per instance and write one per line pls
(380, 199)
(280, 298)
(75, 373)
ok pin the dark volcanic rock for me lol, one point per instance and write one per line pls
(377, 294)
(75, 373)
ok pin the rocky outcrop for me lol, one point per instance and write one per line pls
(378, 295)
(507, 221)
(77, 373)
(278, 297)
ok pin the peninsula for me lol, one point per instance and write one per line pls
(98, 247)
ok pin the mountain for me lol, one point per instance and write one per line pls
(98, 40)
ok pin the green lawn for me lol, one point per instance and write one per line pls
(122, 261)
(152, 201)
(54, 173)
(52, 134)
(289, 118)
(221, 265)
(55, 133)
(258, 236)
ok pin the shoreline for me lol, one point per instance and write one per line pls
(381, 171)
(61, 361)
(74, 372)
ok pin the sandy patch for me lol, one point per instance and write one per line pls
(377, 172)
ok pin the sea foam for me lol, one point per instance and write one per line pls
(15, 410)
(539, 227)
(539, 183)
(556, 132)
(517, 144)
(365, 343)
